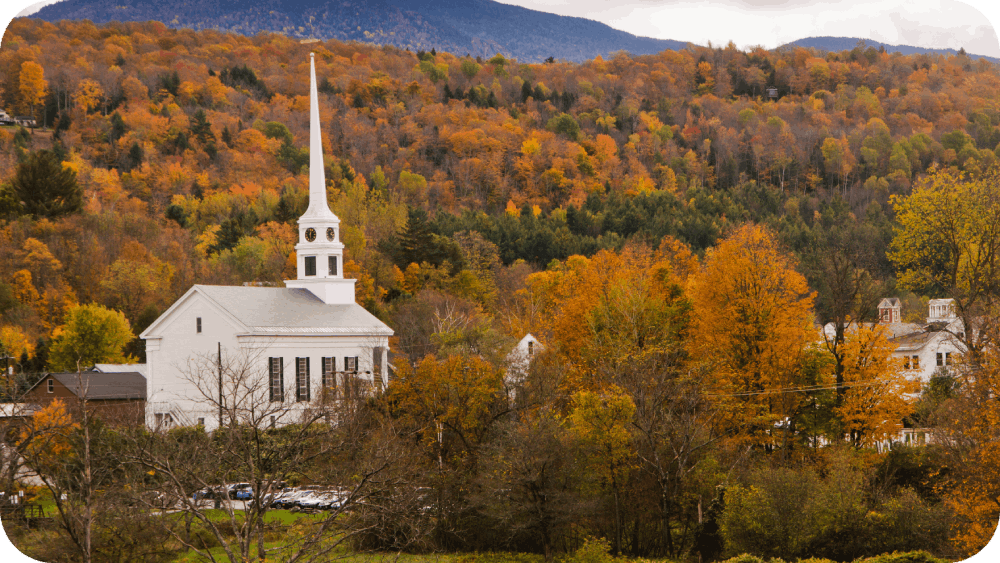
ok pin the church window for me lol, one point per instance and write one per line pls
(277, 379)
(310, 265)
(198, 324)
(377, 363)
(333, 265)
(329, 374)
(301, 379)
(351, 363)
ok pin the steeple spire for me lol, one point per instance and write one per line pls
(318, 207)
(320, 254)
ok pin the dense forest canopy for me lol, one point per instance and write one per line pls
(189, 150)
(668, 231)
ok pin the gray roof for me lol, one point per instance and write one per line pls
(292, 310)
(120, 368)
(96, 385)
(912, 341)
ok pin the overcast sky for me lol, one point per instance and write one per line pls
(924, 23)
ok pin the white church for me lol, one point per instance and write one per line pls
(290, 346)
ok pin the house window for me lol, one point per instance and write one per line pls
(163, 420)
(52, 386)
(947, 358)
(329, 374)
(276, 379)
(916, 362)
(333, 265)
(906, 362)
(940, 359)
(272, 422)
(531, 347)
(197, 324)
(301, 379)
(310, 265)
(351, 364)
(201, 421)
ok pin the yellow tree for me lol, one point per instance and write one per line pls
(14, 342)
(453, 400)
(92, 334)
(877, 391)
(752, 317)
(600, 423)
(33, 86)
(946, 244)
(88, 95)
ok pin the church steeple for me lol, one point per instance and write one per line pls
(320, 254)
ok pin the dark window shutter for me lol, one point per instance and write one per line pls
(308, 387)
(270, 379)
(281, 379)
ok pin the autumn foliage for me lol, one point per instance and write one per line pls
(663, 231)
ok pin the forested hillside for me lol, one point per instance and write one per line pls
(827, 43)
(667, 232)
(205, 133)
(476, 27)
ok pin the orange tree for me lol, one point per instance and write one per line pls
(614, 309)
(752, 325)
(967, 429)
(877, 394)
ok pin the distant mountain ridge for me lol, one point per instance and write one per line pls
(828, 43)
(478, 27)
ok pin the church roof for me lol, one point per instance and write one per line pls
(292, 310)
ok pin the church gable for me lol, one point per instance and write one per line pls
(183, 316)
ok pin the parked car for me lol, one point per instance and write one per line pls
(206, 493)
(289, 500)
(334, 500)
(244, 493)
(233, 489)
(312, 500)
(269, 498)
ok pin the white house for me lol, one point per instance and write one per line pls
(293, 341)
(923, 348)
(519, 359)
(931, 346)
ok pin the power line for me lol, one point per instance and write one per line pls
(805, 389)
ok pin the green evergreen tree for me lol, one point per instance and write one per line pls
(201, 128)
(44, 188)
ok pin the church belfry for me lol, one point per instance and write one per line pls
(319, 253)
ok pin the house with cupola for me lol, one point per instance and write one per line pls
(293, 344)
(922, 348)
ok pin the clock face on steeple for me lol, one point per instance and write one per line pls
(330, 234)
(310, 234)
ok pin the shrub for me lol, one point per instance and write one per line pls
(593, 550)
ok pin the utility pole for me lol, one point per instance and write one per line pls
(220, 384)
